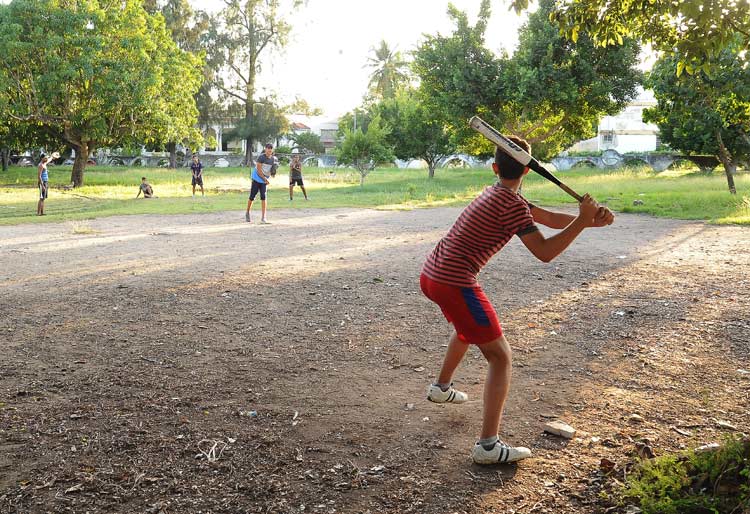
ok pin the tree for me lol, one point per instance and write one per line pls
(300, 106)
(240, 34)
(100, 76)
(694, 30)
(7, 140)
(459, 76)
(307, 142)
(188, 29)
(551, 92)
(364, 150)
(557, 90)
(389, 71)
(359, 118)
(414, 131)
(19, 136)
(705, 113)
(267, 122)
(5, 128)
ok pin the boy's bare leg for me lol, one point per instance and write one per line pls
(454, 355)
(263, 209)
(304, 192)
(498, 355)
(249, 206)
(291, 192)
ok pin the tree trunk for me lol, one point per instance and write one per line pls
(172, 149)
(430, 168)
(730, 167)
(249, 152)
(4, 157)
(249, 115)
(730, 170)
(82, 157)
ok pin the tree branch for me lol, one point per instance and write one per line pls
(232, 93)
(238, 72)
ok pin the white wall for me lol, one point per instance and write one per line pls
(624, 143)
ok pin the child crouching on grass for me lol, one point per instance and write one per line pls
(449, 278)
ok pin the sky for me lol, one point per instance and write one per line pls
(324, 62)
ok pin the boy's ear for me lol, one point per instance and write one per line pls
(495, 168)
(526, 170)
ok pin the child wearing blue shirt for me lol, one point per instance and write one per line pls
(260, 174)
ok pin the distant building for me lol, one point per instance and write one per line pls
(298, 127)
(324, 126)
(625, 132)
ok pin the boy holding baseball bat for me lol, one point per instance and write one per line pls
(449, 279)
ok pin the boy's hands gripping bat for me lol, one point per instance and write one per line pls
(512, 149)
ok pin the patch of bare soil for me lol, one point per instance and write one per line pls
(190, 364)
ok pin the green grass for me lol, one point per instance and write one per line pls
(111, 191)
(693, 483)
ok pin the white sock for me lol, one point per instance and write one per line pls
(488, 442)
(443, 387)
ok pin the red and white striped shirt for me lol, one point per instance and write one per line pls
(482, 229)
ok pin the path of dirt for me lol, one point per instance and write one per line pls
(129, 346)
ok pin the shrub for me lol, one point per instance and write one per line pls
(715, 481)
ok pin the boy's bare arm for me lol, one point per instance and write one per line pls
(546, 249)
(551, 219)
(561, 220)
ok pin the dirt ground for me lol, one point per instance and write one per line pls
(189, 364)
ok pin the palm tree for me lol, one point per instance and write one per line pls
(389, 71)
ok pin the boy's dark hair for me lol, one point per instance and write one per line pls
(143, 178)
(508, 166)
(269, 145)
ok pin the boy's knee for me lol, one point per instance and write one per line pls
(498, 351)
(506, 355)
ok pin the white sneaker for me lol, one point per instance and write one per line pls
(437, 395)
(264, 221)
(501, 453)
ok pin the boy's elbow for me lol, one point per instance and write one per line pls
(545, 255)
(546, 258)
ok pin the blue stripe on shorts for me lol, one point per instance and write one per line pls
(475, 307)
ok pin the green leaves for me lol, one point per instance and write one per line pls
(551, 92)
(308, 142)
(707, 110)
(96, 75)
(694, 29)
(389, 71)
(459, 76)
(267, 122)
(364, 150)
(415, 129)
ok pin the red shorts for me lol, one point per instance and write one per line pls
(468, 308)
